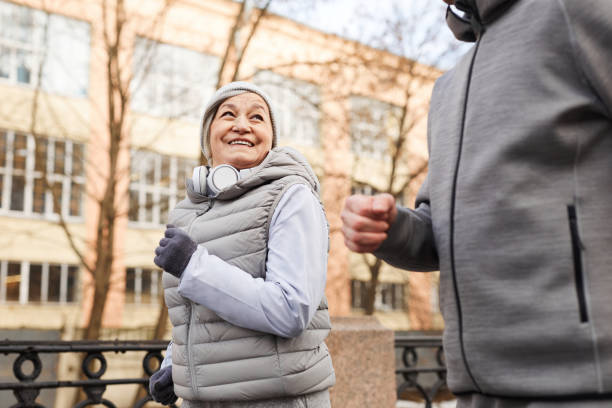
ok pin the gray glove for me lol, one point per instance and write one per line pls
(161, 386)
(174, 251)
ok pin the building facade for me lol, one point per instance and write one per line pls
(340, 103)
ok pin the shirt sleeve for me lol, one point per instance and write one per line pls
(167, 361)
(296, 269)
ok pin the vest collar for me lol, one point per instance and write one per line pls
(280, 162)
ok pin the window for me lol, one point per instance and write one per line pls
(171, 81)
(143, 285)
(24, 162)
(389, 296)
(28, 282)
(296, 104)
(32, 40)
(157, 184)
(373, 125)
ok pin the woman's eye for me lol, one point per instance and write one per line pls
(227, 113)
(258, 117)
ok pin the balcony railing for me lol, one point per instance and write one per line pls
(421, 374)
(420, 369)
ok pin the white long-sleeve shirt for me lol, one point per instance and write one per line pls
(296, 269)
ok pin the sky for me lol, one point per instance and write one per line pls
(399, 26)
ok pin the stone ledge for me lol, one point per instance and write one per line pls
(362, 352)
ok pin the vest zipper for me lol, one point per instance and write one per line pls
(189, 354)
(452, 220)
(191, 304)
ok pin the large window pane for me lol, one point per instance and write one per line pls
(134, 206)
(38, 201)
(24, 67)
(72, 283)
(34, 40)
(3, 149)
(76, 191)
(66, 68)
(297, 106)
(35, 284)
(171, 81)
(5, 61)
(20, 151)
(130, 285)
(164, 177)
(157, 182)
(373, 125)
(149, 169)
(17, 193)
(60, 154)
(145, 286)
(149, 208)
(78, 160)
(13, 280)
(55, 279)
(56, 196)
(40, 157)
(164, 207)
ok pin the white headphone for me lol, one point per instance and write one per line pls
(217, 178)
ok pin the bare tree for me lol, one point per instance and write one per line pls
(98, 252)
(405, 34)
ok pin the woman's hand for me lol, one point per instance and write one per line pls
(161, 386)
(174, 251)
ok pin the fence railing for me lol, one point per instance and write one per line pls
(420, 369)
(28, 366)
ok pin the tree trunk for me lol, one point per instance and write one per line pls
(371, 289)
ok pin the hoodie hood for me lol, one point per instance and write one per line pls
(476, 15)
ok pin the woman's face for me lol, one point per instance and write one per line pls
(241, 132)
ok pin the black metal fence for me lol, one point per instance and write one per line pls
(420, 370)
(28, 366)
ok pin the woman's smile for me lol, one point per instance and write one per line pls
(241, 132)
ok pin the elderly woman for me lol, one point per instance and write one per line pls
(245, 261)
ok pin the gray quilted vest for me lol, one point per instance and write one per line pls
(213, 360)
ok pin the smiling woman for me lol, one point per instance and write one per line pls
(241, 132)
(245, 261)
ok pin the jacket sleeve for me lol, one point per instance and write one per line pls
(590, 30)
(410, 243)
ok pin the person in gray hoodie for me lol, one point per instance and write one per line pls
(245, 261)
(516, 208)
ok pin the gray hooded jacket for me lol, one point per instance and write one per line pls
(213, 360)
(516, 210)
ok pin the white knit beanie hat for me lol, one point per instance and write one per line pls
(223, 93)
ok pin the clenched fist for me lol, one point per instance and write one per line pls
(366, 220)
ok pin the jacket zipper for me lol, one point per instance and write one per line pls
(577, 255)
(452, 220)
